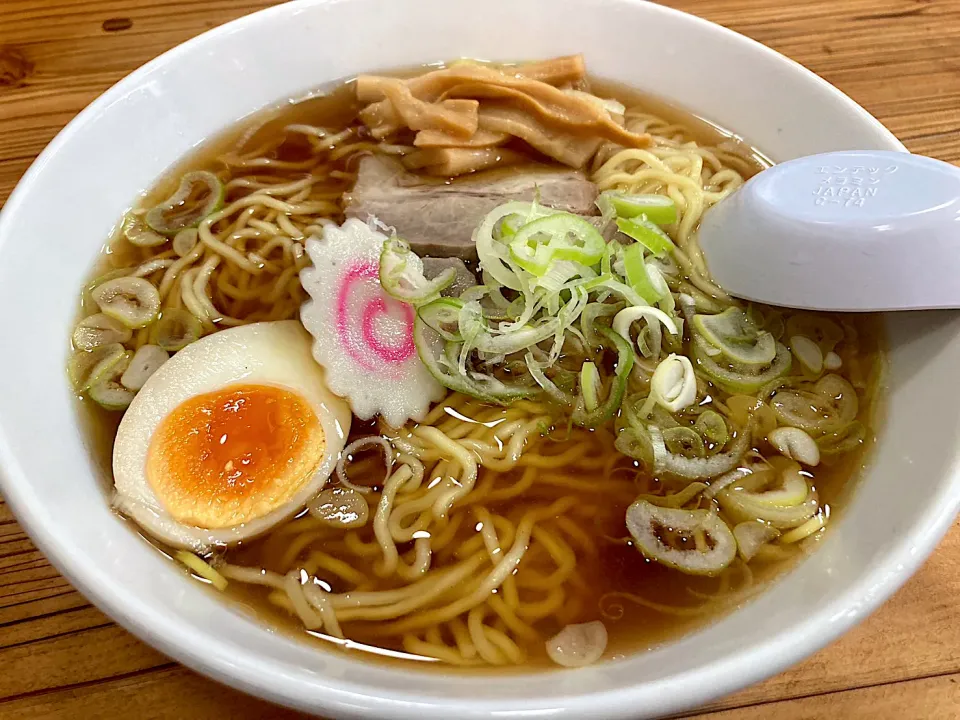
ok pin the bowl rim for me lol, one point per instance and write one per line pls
(351, 699)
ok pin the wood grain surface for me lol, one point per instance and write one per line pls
(61, 658)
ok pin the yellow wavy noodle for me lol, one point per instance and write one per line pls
(675, 165)
(472, 559)
(245, 266)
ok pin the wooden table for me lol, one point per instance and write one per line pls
(61, 658)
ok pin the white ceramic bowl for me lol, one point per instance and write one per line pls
(67, 203)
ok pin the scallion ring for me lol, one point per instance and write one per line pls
(199, 194)
(99, 329)
(132, 301)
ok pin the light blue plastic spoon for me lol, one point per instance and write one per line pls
(853, 231)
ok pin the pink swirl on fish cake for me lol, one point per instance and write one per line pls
(359, 352)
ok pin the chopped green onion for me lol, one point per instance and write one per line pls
(606, 262)
(435, 355)
(340, 507)
(832, 361)
(175, 329)
(700, 301)
(88, 368)
(831, 404)
(558, 274)
(464, 279)
(712, 427)
(674, 385)
(684, 441)
(635, 443)
(647, 234)
(536, 372)
(696, 468)
(562, 236)
(791, 486)
(658, 209)
(741, 380)
(109, 275)
(667, 303)
(822, 330)
(676, 500)
(108, 393)
(579, 644)
(811, 526)
(621, 289)
(494, 254)
(618, 388)
(132, 301)
(751, 535)
(841, 393)
(636, 409)
(199, 194)
(145, 362)
(137, 233)
(478, 336)
(647, 524)
(589, 317)
(401, 275)
(795, 444)
(442, 317)
(808, 353)
(96, 330)
(736, 336)
(111, 396)
(636, 271)
(626, 317)
(509, 226)
(724, 481)
(185, 241)
(843, 440)
(745, 505)
(590, 386)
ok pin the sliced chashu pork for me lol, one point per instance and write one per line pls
(438, 220)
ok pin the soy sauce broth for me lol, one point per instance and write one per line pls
(621, 568)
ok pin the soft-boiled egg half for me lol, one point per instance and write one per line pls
(232, 435)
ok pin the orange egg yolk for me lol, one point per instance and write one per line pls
(234, 455)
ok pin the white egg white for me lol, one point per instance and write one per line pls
(269, 353)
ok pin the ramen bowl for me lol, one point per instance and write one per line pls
(67, 203)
